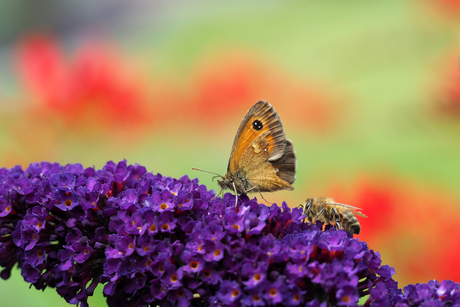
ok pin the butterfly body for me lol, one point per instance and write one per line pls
(261, 160)
(237, 181)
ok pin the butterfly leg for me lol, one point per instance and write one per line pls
(261, 195)
(236, 194)
(217, 195)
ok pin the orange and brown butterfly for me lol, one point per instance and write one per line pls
(261, 160)
(326, 210)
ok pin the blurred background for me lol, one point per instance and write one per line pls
(369, 93)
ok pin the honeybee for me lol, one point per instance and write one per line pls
(326, 210)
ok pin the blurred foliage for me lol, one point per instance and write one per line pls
(367, 92)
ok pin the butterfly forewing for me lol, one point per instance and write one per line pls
(260, 119)
(261, 158)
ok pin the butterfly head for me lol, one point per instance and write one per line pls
(225, 183)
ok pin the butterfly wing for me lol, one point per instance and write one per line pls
(286, 165)
(261, 119)
(265, 176)
(261, 151)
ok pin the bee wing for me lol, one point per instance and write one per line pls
(350, 208)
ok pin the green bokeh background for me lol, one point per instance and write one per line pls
(381, 61)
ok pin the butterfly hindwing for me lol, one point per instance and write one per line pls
(265, 176)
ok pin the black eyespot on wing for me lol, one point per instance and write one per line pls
(257, 125)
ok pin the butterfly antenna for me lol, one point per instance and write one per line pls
(197, 169)
(217, 175)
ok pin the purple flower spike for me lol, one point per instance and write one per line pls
(160, 241)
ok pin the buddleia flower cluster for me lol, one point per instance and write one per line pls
(153, 240)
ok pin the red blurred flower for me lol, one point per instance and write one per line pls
(448, 98)
(311, 106)
(226, 86)
(93, 90)
(415, 228)
(231, 84)
(445, 8)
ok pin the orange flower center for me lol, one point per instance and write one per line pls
(194, 265)
(297, 297)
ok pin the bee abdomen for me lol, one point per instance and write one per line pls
(350, 222)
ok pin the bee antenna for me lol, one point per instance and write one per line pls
(217, 175)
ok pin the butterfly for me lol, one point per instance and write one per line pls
(261, 160)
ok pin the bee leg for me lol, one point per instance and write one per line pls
(337, 219)
(306, 210)
(319, 213)
(336, 214)
(300, 206)
(308, 207)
